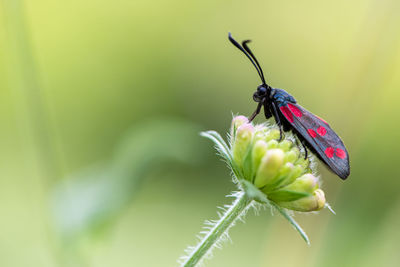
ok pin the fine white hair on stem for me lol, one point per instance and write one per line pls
(235, 212)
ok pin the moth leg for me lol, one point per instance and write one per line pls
(257, 111)
(305, 149)
(267, 111)
(278, 121)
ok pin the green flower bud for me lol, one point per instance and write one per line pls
(259, 149)
(272, 144)
(242, 143)
(285, 145)
(292, 155)
(259, 133)
(272, 134)
(311, 203)
(269, 167)
(305, 163)
(281, 179)
(236, 123)
(295, 172)
(286, 169)
(306, 183)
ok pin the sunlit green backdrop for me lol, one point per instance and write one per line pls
(101, 103)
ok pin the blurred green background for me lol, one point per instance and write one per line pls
(101, 103)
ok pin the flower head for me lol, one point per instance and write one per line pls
(275, 167)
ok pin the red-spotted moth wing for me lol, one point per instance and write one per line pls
(319, 136)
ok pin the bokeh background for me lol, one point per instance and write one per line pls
(101, 103)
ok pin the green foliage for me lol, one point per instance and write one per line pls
(89, 200)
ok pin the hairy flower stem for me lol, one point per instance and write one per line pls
(219, 229)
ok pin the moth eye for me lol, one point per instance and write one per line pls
(262, 90)
(256, 97)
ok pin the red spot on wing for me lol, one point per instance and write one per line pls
(295, 110)
(287, 113)
(329, 152)
(312, 133)
(340, 153)
(321, 130)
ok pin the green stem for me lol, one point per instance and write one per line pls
(219, 230)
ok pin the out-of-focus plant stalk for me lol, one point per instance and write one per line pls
(23, 79)
(23, 72)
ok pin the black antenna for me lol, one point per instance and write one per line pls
(257, 66)
(244, 44)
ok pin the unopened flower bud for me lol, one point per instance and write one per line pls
(272, 144)
(304, 163)
(306, 183)
(285, 145)
(272, 134)
(259, 150)
(311, 203)
(259, 133)
(295, 173)
(242, 142)
(269, 166)
(236, 123)
(282, 178)
(292, 155)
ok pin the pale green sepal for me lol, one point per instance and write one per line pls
(248, 164)
(286, 195)
(296, 226)
(221, 145)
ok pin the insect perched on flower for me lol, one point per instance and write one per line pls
(313, 132)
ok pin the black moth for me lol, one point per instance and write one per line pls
(312, 131)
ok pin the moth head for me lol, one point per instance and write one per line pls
(260, 93)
